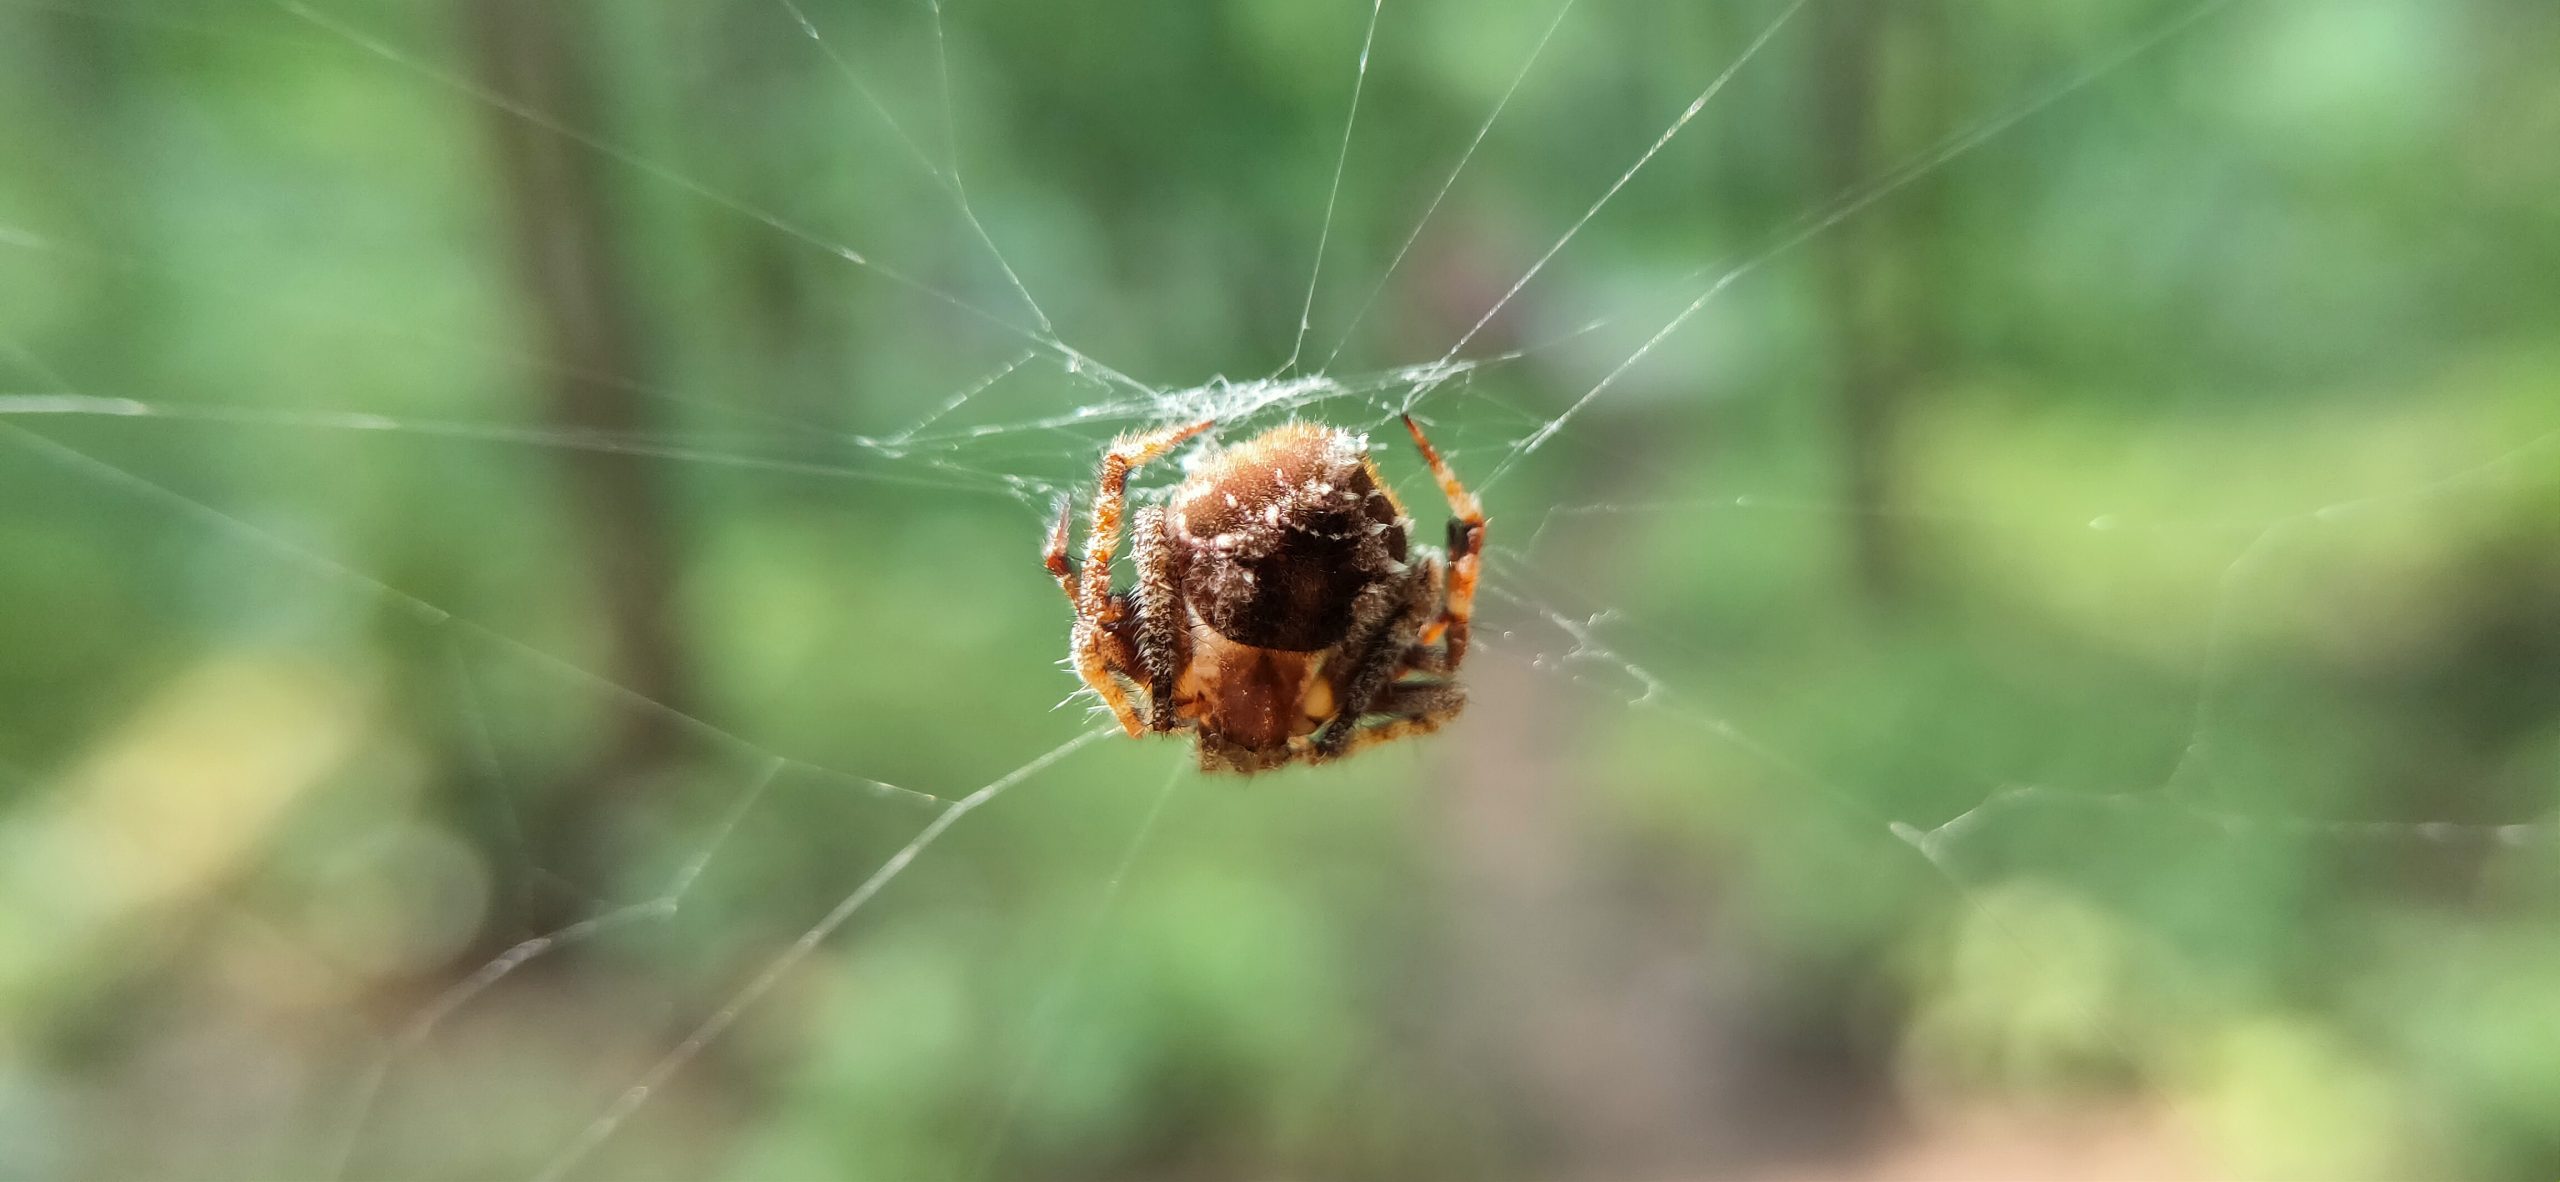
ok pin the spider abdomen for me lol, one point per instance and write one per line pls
(1278, 537)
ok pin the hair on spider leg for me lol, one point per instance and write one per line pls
(1282, 612)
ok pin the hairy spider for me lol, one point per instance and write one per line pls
(1278, 614)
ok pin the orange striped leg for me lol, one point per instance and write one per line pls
(1110, 499)
(1466, 554)
(1088, 586)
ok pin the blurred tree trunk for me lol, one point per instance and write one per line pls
(1879, 315)
(576, 282)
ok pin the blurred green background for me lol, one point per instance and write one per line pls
(2056, 673)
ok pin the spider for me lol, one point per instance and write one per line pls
(1279, 615)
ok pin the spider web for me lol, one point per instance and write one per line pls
(1640, 705)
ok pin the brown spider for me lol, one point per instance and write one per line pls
(1276, 615)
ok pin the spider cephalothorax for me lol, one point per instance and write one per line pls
(1280, 614)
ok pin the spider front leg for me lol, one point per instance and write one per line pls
(1466, 557)
(1088, 585)
(1111, 498)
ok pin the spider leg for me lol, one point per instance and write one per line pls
(1111, 498)
(1055, 556)
(1425, 658)
(1160, 618)
(1099, 660)
(1091, 644)
(1390, 630)
(1412, 708)
(1466, 555)
(1097, 663)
